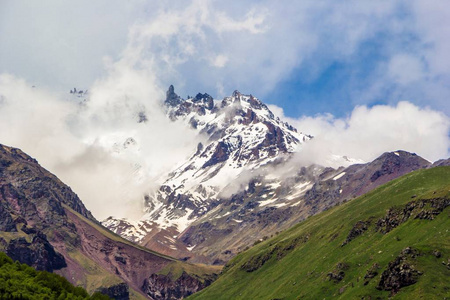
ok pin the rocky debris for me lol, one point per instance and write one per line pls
(338, 273)
(437, 253)
(371, 273)
(447, 264)
(419, 209)
(39, 254)
(117, 292)
(400, 272)
(163, 287)
(359, 228)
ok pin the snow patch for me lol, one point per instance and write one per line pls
(339, 176)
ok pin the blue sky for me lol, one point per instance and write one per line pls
(309, 57)
(362, 76)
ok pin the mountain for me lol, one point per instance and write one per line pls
(241, 135)
(243, 184)
(390, 242)
(45, 225)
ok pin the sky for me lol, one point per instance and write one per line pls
(363, 77)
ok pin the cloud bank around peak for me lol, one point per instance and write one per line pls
(370, 131)
(96, 145)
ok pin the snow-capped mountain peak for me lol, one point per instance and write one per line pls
(240, 135)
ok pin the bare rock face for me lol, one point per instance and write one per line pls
(117, 292)
(39, 254)
(7, 223)
(162, 287)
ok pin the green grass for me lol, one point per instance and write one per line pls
(301, 272)
(200, 271)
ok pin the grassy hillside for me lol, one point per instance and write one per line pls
(393, 241)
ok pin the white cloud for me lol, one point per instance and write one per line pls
(369, 132)
(405, 69)
(220, 61)
(83, 143)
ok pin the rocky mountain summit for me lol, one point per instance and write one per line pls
(241, 184)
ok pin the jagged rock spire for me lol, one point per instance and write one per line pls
(172, 98)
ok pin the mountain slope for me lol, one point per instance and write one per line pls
(45, 225)
(393, 241)
(267, 206)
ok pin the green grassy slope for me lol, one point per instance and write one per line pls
(296, 264)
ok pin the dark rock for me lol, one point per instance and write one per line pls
(356, 231)
(6, 221)
(338, 273)
(172, 98)
(163, 287)
(118, 292)
(221, 154)
(39, 254)
(371, 273)
(400, 272)
(120, 259)
(419, 209)
(336, 276)
(437, 253)
(142, 117)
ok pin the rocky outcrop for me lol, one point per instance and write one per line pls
(400, 272)
(418, 209)
(359, 228)
(163, 287)
(338, 273)
(117, 292)
(7, 223)
(371, 273)
(172, 98)
(39, 254)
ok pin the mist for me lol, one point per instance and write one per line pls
(95, 144)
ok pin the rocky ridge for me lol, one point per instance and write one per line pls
(46, 226)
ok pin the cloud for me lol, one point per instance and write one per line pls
(405, 69)
(369, 132)
(253, 46)
(97, 146)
